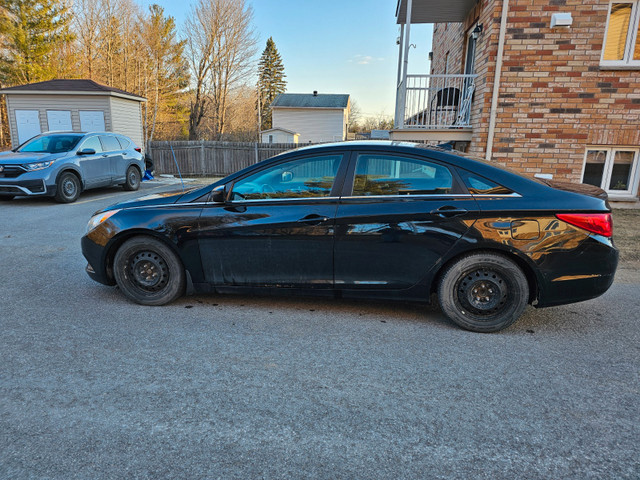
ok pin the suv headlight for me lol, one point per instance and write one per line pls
(38, 165)
(99, 218)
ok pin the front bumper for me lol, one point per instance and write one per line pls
(13, 186)
(96, 258)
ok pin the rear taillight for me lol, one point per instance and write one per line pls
(599, 223)
(138, 149)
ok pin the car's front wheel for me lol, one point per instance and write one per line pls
(483, 292)
(68, 188)
(148, 271)
(132, 181)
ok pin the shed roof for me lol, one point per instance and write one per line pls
(278, 129)
(71, 87)
(310, 100)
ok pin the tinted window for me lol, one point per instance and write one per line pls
(92, 142)
(389, 175)
(303, 178)
(481, 186)
(124, 142)
(51, 144)
(110, 144)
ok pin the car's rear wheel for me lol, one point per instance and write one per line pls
(132, 181)
(148, 271)
(68, 188)
(483, 292)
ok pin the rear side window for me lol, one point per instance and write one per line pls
(109, 143)
(124, 142)
(390, 175)
(478, 185)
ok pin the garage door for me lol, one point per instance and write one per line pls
(92, 121)
(28, 123)
(59, 120)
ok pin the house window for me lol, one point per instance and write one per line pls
(612, 169)
(622, 35)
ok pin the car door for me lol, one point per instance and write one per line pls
(95, 168)
(276, 227)
(113, 153)
(397, 219)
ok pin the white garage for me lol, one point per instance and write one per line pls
(72, 105)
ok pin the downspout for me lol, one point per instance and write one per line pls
(496, 82)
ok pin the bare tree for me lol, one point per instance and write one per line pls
(87, 18)
(220, 50)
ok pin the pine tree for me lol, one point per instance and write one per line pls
(32, 33)
(271, 81)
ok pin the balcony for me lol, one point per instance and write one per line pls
(434, 107)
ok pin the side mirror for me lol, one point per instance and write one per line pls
(218, 194)
(86, 151)
(286, 177)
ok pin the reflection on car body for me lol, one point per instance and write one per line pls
(365, 219)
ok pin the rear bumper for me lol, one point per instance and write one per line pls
(12, 186)
(587, 274)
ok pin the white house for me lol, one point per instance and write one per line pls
(279, 135)
(315, 117)
(72, 105)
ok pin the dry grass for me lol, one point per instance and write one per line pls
(626, 236)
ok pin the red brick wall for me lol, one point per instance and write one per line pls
(555, 99)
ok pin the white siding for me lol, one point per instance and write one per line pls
(127, 119)
(313, 124)
(42, 103)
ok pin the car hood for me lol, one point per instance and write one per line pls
(12, 158)
(163, 198)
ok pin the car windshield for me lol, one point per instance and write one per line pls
(51, 144)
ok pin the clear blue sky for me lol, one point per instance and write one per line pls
(333, 46)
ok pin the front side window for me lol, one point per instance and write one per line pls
(622, 38)
(612, 169)
(311, 177)
(389, 175)
(51, 144)
(93, 143)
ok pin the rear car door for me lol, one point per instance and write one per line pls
(398, 217)
(277, 226)
(113, 153)
(95, 168)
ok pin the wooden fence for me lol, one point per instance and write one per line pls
(204, 158)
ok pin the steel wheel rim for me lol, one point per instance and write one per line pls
(133, 178)
(69, 188)
(149, 271)
(483, 292)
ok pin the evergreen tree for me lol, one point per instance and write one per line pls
(32, 33)
(271, 81)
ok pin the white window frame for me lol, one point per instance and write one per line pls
(627, 61)
(608, 168)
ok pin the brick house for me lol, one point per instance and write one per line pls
(548, 87)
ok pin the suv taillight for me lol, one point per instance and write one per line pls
(138, 149)
(598, 223)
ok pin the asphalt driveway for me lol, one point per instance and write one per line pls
(93, 386)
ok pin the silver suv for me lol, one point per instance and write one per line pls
(63, 164)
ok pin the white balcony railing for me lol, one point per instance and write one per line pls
(435, 102)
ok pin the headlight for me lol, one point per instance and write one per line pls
(38, 166)
(98, 219)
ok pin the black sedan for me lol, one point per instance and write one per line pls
(366, 219)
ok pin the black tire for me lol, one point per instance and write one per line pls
(68, 188)
(483, 292)
(148, 271)
(132, 181)
(6, 198)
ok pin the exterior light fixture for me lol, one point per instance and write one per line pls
(477, 31)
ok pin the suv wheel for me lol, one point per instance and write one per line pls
(68, 188)
(132, 181)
